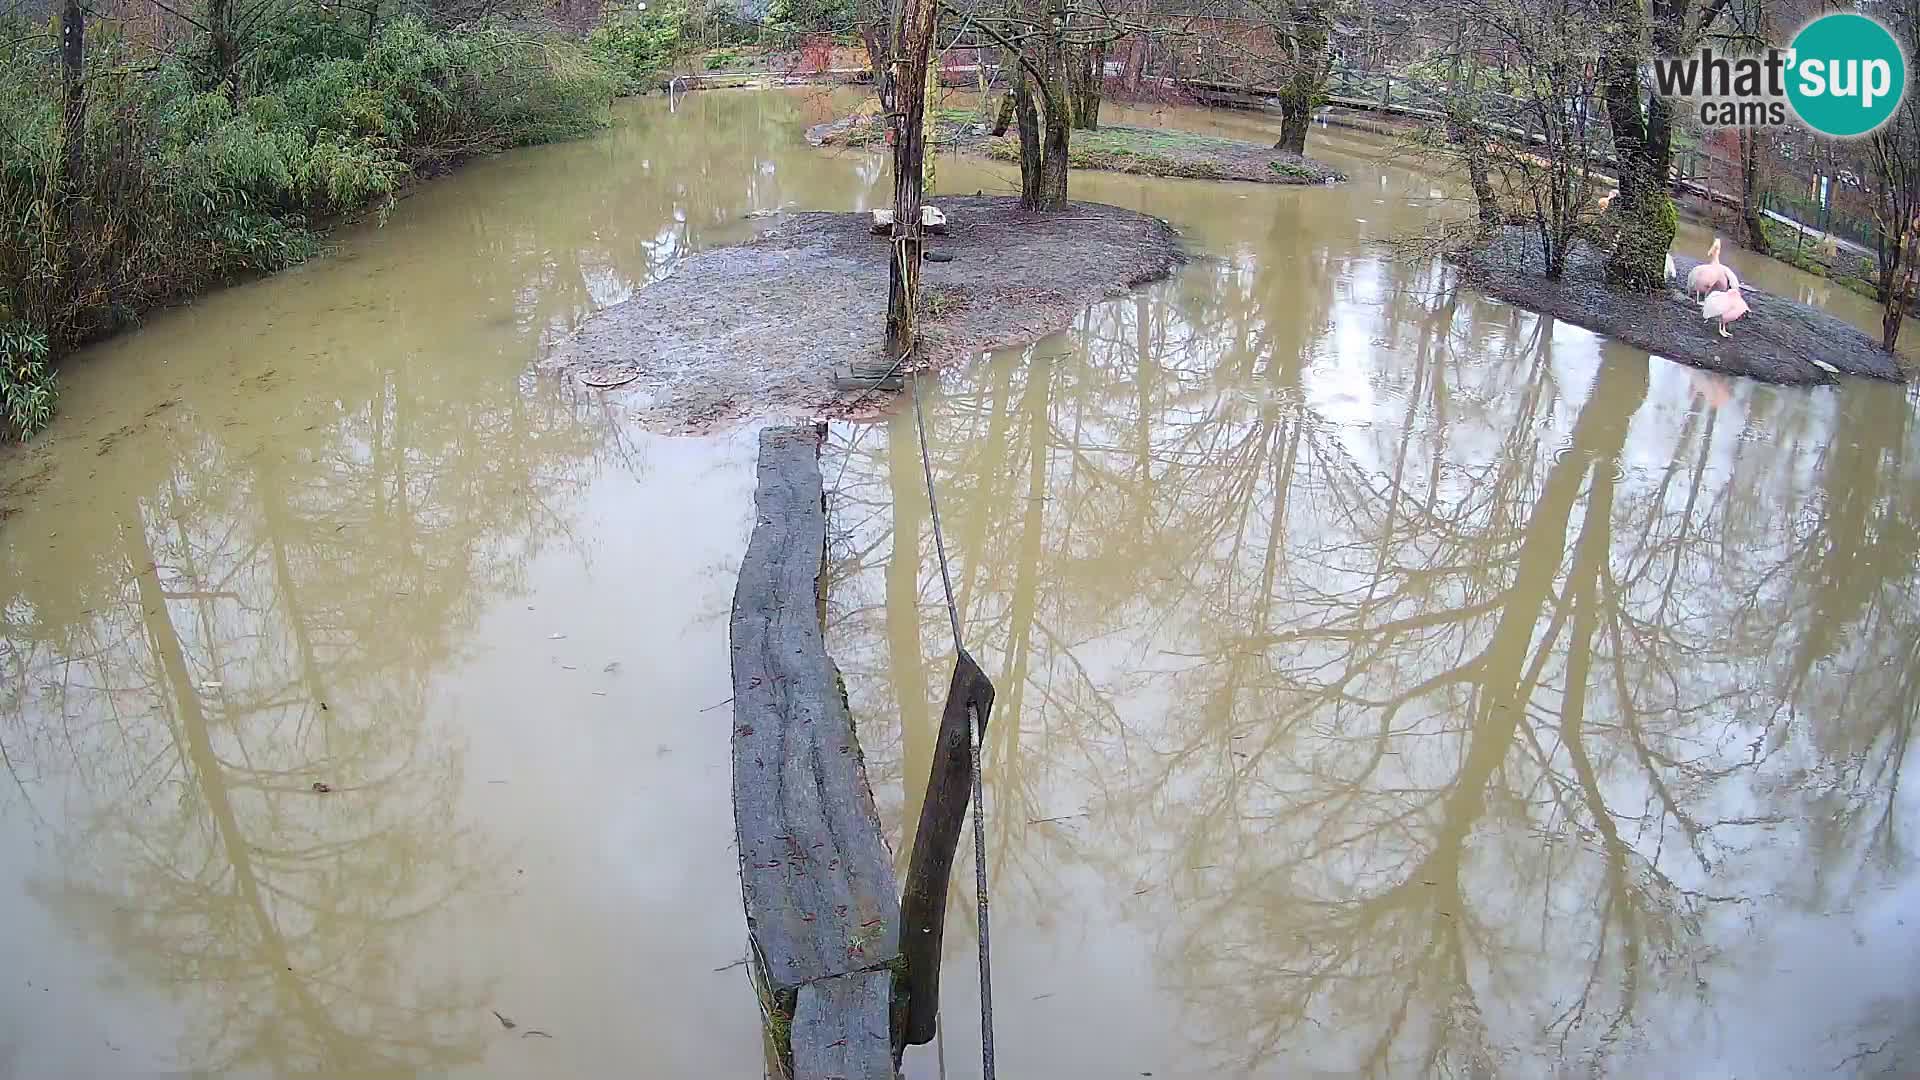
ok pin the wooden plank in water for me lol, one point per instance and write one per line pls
(949, 787)
(867, 377)
(840, 1028)
(821, 898)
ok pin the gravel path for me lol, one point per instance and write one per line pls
(757, 329)
(1778, 341)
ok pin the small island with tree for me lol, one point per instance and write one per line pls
(1143, 151)
(1571, 165)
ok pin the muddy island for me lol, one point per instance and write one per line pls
(758, 329)
(1778, 341)
(1141, 151)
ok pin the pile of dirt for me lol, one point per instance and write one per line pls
(758, 329)
(1779, 340)
(1141, 151)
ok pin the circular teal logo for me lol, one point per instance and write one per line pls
(1847, 74)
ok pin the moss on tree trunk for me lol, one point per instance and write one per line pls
(1639, 259)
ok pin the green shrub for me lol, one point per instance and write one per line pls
(810, 16)
(638, 43)
(26, 381)
(184, 186)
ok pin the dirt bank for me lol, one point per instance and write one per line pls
(1779, 340)
(1143, 151)
(757, 329)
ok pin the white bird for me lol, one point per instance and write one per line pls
(1725, 305)
(1711, 275)
(1672, 270)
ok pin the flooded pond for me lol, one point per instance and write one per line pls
(1391, 682)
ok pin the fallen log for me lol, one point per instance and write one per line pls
(816, 877)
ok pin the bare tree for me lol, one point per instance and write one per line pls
(1894, 151)
(1282, 48)
(1523, 130)
(1055, 53)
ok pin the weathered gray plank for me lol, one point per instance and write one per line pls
(923, 906)
(818, 881)
(840, 1028)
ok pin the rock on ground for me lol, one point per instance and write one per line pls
(757, 329)
(1778, 341)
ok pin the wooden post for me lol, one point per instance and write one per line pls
(73, 93)
(923, 903)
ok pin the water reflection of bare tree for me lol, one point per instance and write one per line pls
(249, 626)
(1450, 729)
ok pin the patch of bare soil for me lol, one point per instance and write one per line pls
(757, 329)
(1778, 341)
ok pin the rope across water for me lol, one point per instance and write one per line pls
(974, 744)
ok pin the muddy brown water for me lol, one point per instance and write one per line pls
(1392, 683)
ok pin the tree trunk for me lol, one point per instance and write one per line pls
(1053, 163)
(1474, 145)
(1136, 64)
(73, 95)
(221, 43)
(1027, 113)
(1749, 192)
(1311, 60)
(1004, 118)
(929, 124)
(873, 35)
(1642, 142)
(1295, 117)
(1056, 131)
(1089, 75)
(1057, 124)
(909, 79)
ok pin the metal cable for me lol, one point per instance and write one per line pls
(975, 745)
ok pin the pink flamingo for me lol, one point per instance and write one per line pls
(1726, 306)
(1711, 275)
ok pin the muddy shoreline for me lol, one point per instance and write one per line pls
(757, 329)
(1166, 152)
(1778, 341)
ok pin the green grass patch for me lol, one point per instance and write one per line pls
(1172, 153)
(949, 126)
(1849, 271)
(1148, 142)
